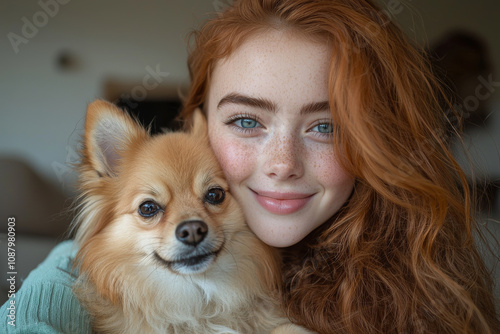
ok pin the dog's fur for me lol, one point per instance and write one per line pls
(136, 276)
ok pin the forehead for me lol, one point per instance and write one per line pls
(275, 62)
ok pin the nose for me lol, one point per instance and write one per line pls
(191, 232)
(284, 158)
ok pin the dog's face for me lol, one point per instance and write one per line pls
(160, 201)
(174, 196)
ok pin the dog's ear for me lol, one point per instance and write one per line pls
(108, 133)
(199, 124)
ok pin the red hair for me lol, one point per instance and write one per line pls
(400, 256)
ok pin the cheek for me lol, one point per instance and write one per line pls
(236, 158)
(328, 170)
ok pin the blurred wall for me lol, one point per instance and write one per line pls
(427, 22)
(42, 106)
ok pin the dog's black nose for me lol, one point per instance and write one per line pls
(191, 232)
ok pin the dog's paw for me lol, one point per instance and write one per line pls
(291, 329)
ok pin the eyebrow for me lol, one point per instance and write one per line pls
(247, 101)
(261, 103)
(315, 107)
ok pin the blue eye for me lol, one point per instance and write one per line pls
(326, 128)
(247, 123)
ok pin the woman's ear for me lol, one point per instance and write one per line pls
(108, 134)
(199, 124)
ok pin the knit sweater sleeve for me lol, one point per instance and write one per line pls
(45, 303)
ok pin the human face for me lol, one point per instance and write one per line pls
(270, 127)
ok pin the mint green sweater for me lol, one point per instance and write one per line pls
(45, 303)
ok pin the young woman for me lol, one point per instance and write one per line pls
(328, 126)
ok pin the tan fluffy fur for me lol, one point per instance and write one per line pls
(122, 285)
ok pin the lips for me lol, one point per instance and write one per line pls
(282, 203)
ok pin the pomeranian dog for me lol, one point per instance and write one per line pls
(163, 246)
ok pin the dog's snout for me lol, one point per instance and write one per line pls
(191, 232)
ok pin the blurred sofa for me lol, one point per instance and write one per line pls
(42, 217)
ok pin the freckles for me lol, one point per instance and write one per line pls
(328, 168)
(275, 149)
(235, 158)
(284, 150)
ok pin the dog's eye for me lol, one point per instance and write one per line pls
(215, 195)
(148, 209)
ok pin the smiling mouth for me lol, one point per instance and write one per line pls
(282, 203)
(189, 264)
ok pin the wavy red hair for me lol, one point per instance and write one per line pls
(400, 257)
